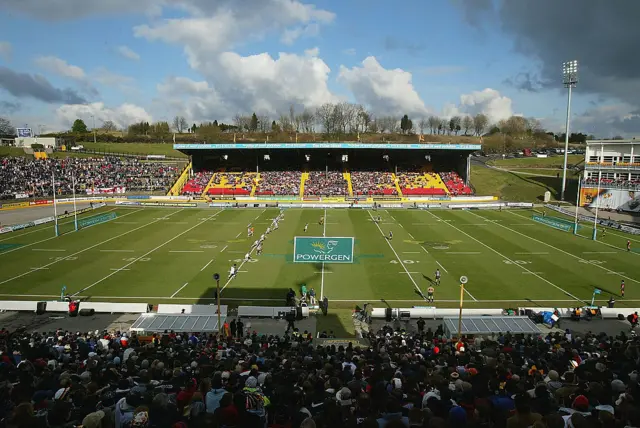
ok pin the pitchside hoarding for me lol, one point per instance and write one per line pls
(309, 249)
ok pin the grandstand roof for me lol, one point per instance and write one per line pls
(322, 145)
(179, 323)
(490, 325)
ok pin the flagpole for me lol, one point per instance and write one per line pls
(575, 224)
(55, 207)
(75, 211)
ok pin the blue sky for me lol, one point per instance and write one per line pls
(152, 59)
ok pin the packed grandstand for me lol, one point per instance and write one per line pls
(247, 380)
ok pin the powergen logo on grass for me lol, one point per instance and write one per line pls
(555, 222)
(308, 249)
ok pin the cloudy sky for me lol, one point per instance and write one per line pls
(127, 61)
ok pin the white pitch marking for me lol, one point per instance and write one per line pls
(540, 253)
(179, 289)
(119, 269)
(411, 252)
(186, 251)
(47, 249)
(463, 252)
(225, 247)
(39, 268)
(205, 266)
(442, 267)
(238, 235)
(81, 251)
(147, 253)
(116, 251)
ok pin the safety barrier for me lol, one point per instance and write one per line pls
(192, 309)
(606, 313)
(268, 311)
(432, 312)
(55, 306)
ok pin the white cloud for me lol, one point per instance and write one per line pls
(388, 91)
(127, 52)
(5, 50)
(257, 82)
(60, 67)
(313, 52)
(439, 70)
(108, 78)
(349, 51)
(64, 10)
(123, 115)
(489, 102)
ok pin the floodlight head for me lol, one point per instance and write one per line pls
(570, 73)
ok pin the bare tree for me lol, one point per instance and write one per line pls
(363, 119)
(264, 123)
(307, 120)
(434, 124)
(533, 126)
(467, 124)
(285, 123)
(180, 124)
(388, 124)
(109, 126)
(6, 128)
(422, 125)
(480, 122)
(324, 116)
(238, 121)
(444, 126)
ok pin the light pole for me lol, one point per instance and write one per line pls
(463, 281)
(216, 278)
(569, 79)
(94, 128)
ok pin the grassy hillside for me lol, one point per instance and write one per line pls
(534, 162)
(511, 186)
(135, 148)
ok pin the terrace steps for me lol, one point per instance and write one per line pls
(176, 189)
(347, 177)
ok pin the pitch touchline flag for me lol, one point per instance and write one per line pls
(309, 249)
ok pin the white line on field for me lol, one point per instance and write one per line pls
(410, 236)
(463, 252)
(54, 237)
(394, 252)
(411, 252)
(558, 249)
(507, 258)
(225, 247)
(324, 234)
(403, 272)
(474, 224)
(238, 235)
(599, 252)
(48, 249)
(243, 271)
(116, 251)
(522, 224)
(118, 269)
(443, 267)
(39, 268)
(532, 273)
(598, 241)
(321, 272)
(537, 253)
(186, 251)
(179, 289)
(615, 273)
(147, 253)
(205, 266)
(424, 249)
(12, 236)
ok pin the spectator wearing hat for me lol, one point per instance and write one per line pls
(523, 417)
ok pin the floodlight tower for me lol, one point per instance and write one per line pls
(569, 79)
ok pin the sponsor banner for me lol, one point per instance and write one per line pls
(22, 226)
(471, 198)
(22, 195)
(556, 223)
(96, 219)
(5, 230)
(169, 204)
(391, 205)
(362, 206)
(139, 197)
(116, 190)
(308, 249)
(288, 146)
(220, 204)
(44, 220)
(127, 203)
(363, 343)
(590, 219)
(467, 206)
(41, 202)
(171, 198)
(15, 205)
(611, 199)
(519, 204)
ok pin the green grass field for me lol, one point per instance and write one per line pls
(534, 162)
(159, 255)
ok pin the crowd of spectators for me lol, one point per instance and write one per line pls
(33, 177)
(372, 183)
(279, 183)
(325, 183)
(196, 184)
(613, 183)
(455, 184)
(242, 180)
(401, 379)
